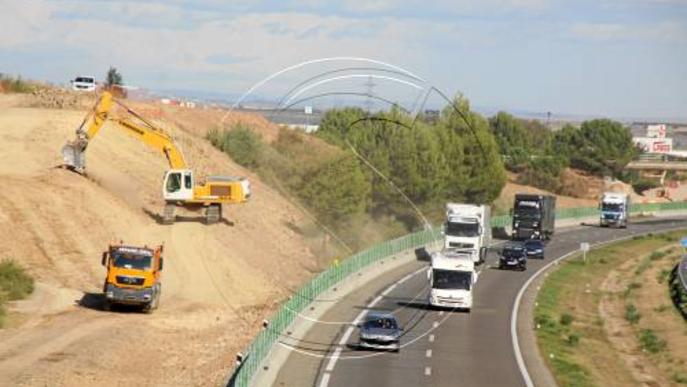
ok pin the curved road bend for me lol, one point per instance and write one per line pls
(441, 348)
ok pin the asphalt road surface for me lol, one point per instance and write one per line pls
(440, 348)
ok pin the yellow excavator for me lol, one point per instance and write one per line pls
(179, 187)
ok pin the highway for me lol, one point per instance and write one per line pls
(440, 348)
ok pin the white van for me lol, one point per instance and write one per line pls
(82, 83)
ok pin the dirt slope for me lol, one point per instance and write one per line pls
(218, 282)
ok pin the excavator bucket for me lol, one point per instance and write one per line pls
(74, 156)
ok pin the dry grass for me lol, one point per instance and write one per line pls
(586, 352)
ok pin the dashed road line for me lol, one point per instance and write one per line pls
(428, 371)
(428, 354)
(431, 338)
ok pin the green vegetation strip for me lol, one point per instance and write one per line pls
(569, 326)
(15, 284)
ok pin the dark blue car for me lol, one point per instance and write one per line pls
(534, 249)
(513, 256)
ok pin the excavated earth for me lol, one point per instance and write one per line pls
(219, 281)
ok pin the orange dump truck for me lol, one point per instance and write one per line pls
(133, 276)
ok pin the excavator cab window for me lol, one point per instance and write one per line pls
(188, 181)
(174, 182)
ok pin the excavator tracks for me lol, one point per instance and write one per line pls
(213, 213)
(168, 216)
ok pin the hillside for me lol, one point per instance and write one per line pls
(219, 281)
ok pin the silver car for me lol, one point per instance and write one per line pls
(380, 331)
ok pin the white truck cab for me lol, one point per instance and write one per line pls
(468, 226)
(615, 209)
(451, 278)
(83, 83)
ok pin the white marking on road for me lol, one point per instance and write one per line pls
(428, 371)
(325, 379)
(333, 359)
(389, 290)
(428, 353)
(406, 278)
(441, 313)
(346, 336)
(431, 338)
(516, 304)
(435, 324)
(374, 302)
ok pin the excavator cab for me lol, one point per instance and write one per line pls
(178, 185)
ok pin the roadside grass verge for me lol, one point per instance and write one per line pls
(571, 332)
(15, 284)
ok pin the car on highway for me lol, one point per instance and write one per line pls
(380, 331)
(534, 249)
(513, 256)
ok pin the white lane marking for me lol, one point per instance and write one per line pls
(431, 338)
(325, 379)
(333, 359)
(349, 331)
(428, 371)
(374, 302)
(435, 324)
(346, 336)
(428, 353)
(389, 290)
(441, 313)
(516, 304)
(406, 278)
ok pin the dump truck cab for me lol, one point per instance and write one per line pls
(133, 276)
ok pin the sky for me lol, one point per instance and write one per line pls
(611, 58)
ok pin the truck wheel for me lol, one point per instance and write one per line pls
(107, 305)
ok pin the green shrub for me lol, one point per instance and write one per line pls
(642, 185)
(656, 255)
(241, 143)
(650, 342)
(573, 339)
(632, 315)
(15, 284)
(679, 377)
(566, 319)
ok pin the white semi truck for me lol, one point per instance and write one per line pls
(451, 278)
(615, 209)
(468, 226)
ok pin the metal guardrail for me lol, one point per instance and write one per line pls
(677, 284)
(260, 347)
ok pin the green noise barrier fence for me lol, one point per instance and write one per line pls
(263, 342)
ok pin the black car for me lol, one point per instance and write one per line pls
(534, 249)
(513, 255)
(380, 331)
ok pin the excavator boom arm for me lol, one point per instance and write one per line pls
(147, 133)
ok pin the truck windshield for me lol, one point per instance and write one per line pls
(613, 207)
(462, 229)
(527, 212)
(132, 261)
(451, 279)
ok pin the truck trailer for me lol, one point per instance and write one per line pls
(534, 216)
